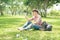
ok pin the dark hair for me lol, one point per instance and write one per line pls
(35, 11)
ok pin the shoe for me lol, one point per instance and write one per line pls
(21, 28)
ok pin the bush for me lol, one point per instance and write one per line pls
(55, 13)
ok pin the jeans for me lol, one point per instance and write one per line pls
(29, 25)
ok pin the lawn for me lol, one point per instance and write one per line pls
(9, 25)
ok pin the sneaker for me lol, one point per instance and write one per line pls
(21, 28)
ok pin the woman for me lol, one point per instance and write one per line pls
(36, 24)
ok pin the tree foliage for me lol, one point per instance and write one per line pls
(40, 4)
(2, 5)
(26, 5)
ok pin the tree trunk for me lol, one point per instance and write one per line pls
(45, 13)
(45, 8)
(27, 11)
(12, 13)
(41, 14)
(2, 13)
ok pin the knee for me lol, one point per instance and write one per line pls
(36, 27)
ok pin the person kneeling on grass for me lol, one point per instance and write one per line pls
(36, 24)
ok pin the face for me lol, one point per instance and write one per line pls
(34, 13)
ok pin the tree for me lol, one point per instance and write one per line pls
(2, 5)
(1, 9)
(40, 4)
(49, 3)
(16, 6)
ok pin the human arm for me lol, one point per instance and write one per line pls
(29, 19)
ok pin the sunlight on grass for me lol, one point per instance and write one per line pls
(9, 25)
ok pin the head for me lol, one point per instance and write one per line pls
(35, 12)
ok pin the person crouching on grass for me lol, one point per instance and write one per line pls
(36, 24)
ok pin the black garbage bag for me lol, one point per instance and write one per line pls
(46, 26)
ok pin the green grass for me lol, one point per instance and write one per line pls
(9, 25)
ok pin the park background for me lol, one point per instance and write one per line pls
(12, 16)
